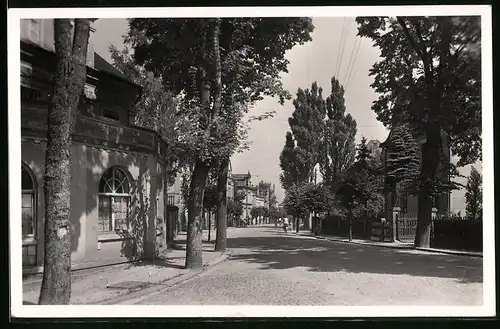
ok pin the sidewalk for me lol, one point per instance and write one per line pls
(90, 286)
(397, 244)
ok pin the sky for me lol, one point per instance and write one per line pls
(317, 61)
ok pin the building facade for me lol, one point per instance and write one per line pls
(243, 186)
(118, 178)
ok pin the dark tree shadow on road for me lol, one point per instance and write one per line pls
(285, 251)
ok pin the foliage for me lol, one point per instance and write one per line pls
(306, 124)
(402, 164)
(293, 163)
(430, 73)
(307, 197)
(156, 108)
(429, 76)
(277, 212)
(251, 59)
(359, 193)
(210, 198)
(338, 146)
(363, 156)
(259, 211)
(474, 195)
(295, 199)
(235, 206)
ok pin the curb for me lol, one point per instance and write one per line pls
(134, 296)
(440, 251)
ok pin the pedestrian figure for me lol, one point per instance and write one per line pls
(285, 224)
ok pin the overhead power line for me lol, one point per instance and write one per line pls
(342, 34)
(353, 65)
(343, 47)
(349, 65)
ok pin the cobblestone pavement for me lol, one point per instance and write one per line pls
(269, 267)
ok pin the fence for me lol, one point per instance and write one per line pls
(458, 234)
(339, 226)
(406, 227)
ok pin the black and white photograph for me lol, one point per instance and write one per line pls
(251, 162)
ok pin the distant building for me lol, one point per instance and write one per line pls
(374, 147)
(242, 185)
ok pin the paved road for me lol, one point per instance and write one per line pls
(268, 266)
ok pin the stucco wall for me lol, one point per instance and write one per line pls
(89, 247)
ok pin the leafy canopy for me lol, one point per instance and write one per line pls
(429, 75)
(252, 53)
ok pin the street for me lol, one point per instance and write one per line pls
(270, 267)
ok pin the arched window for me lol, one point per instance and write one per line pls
(28, 202)
(114, 201)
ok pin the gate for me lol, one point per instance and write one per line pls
(407, 227)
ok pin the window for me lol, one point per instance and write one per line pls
(28, 202)
(110, 114)
(114, 201)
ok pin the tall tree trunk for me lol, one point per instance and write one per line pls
(221, 235)
(209, 225)
(194, 243)
(70, 75)
(430, 162)
(194, 258)
(350, 225)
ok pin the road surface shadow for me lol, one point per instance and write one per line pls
(284, 251)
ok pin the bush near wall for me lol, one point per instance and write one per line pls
(458, 234)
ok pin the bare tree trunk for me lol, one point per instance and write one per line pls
(430, 162)
(194, 243)
(194, 255)
(209, 224)
(70, 75)
(221, 237)
(350, 225)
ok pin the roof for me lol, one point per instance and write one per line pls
(102, 65)
(241, 176)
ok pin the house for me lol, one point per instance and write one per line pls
(242, 185)
(118, 187)
(403, 198)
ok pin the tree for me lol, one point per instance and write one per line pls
(338, 146)
(243, 67)
(156, 108)
(306, 124)
(358, 193)
(293, 163)
(474, 195)
(402, 163)
(429, 76)
(364, 156)
(235, 207)
(295, 199)
(71, 42)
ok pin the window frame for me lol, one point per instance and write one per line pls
(111, 196)
(30, 238)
